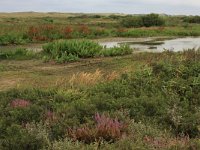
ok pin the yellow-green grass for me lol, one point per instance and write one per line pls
(36, 73)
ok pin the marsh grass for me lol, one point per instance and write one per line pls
(72, 50)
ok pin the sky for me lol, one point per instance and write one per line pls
(176, 7)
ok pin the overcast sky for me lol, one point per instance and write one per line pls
(189, 7)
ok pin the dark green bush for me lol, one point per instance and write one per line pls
(152, 20)
(143, 21)
(193, 19)
(132, 21)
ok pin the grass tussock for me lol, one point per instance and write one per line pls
(86, 79)
(72, 50)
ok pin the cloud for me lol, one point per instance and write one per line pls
(174, 2)
(121, 6)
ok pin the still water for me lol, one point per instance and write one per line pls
(178, 44)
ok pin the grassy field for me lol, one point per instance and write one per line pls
(59, 89)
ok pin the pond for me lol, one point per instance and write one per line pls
(159, 45)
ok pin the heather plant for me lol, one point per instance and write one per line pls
(106, 128)
(19, 103)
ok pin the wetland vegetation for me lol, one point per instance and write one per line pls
(62, 87)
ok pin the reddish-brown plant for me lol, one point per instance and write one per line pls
(33, 32)
(68, 31)
(84, 29)
(48, 27)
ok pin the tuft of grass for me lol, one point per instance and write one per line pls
(86, 79)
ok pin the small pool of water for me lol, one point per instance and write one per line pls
(178, 44)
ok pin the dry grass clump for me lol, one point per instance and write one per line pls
(86, 79)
